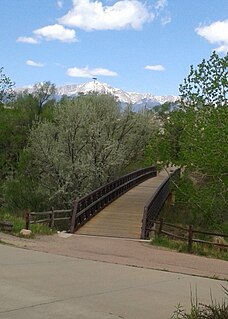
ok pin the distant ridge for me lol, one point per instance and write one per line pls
(138, 100)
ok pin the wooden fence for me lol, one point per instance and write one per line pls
(89, 205)
(189, 234)
(50, 217)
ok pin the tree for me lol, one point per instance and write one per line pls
(13, 137)
(162, 111)
(16, 120)
(204, 126)
(89, 142)
(207, 85)
(43, 92)
(6, 87)
(14, 128)
(195, 137)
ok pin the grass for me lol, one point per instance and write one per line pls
(197, 249)
(164, 241)
(19, 224)
(181, 215)
(2, 242)
(202, 311)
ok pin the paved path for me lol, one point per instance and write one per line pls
(124, 252)
(123, 217)
(35, 285)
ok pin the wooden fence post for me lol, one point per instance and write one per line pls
(27, 220)
(160, 226)
(52, 218)
(190, 237)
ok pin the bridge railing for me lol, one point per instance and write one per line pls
(155, 203)
(88, 206)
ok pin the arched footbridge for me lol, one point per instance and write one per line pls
(125, 207)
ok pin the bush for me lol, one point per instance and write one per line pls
(23, 194)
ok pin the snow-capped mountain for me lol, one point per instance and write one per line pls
(138, 100)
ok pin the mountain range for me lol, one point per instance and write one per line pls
(138, 100)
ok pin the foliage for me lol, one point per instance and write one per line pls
(21, 192)
(43, 92)
(162, 111)
(208, 84)
(163, 241)
(198, 310)
(182, 246)
(6, 87)
(19, 224)
(89, 142)
(13, 132)
(16, 120)
(195, 138)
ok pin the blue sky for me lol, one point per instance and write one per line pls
(135, 45)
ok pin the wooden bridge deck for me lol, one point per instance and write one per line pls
(123, 217)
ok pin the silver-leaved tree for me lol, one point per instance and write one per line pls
(89, 142)
(6, 87)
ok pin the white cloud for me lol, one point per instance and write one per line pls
(33, 63)
(215, 33)
(88, 73)
(166, 19)
(93, 15)
(222, 48)
(161, 4)
(59, 4)
(157, 67)
(27, 40)
(56, 32)
(162, 13)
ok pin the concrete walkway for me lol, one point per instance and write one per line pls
(124, 252)
(35, 285)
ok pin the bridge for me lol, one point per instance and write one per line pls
(125, 207)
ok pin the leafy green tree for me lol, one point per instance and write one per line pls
(207, 85)
(162, 111)
(6, 87)
(16, 120)
(14, 127)
(23, 190)
(195, 137)
(13, 132)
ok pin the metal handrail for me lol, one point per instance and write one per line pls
(88, 206)
(155, 203)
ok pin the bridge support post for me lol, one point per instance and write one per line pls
(143, 231)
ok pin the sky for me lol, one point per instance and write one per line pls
(144, 46)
